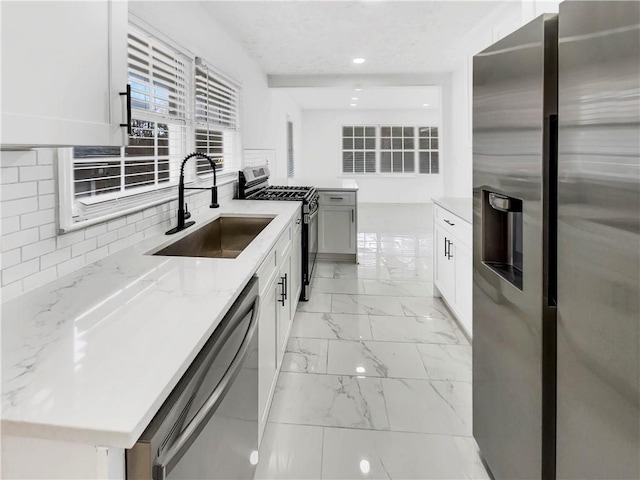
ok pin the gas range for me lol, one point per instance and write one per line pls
(253, 184)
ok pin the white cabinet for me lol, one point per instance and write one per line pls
(337, 225)
(279, 277)
(63, 66)
(453, 265)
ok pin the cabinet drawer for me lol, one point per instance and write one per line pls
(284, 244)
(337, 198)
(454, 225)
(267, 270)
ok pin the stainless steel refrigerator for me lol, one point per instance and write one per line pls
(556, 315)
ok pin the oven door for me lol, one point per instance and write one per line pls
(208, 427)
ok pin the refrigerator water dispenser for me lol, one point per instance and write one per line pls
(502, 236)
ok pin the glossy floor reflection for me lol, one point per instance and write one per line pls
(376, 381)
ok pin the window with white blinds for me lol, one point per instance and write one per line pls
(390, 149)
(158, 76)
(290, 161)
(359, 149)
(217, 105)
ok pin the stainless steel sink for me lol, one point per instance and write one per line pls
(225, 237)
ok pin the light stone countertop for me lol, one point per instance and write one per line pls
(320, 183)
(462, 207)
(92, 356)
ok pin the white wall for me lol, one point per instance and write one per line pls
(322, 154)
(511, 16)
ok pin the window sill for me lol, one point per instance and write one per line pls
(164, 196)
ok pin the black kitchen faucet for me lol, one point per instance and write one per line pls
(183, 213)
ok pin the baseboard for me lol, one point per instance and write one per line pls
(338, 257)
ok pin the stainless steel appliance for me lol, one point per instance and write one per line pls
(253, 184)
(208, 426)
(556, 154)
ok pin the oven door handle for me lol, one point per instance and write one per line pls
(173, 455)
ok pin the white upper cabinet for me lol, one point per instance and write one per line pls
(63, 66)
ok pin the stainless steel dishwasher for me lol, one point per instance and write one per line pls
(208, 426)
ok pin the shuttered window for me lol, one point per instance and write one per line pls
(428, 150)
(359, 149)
(158, 77)
(390, 149)
(397, 149)
(217, 105)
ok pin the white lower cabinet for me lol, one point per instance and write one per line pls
(453, 265)
(280, 284)
(337, 223)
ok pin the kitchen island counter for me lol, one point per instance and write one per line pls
(91, 357)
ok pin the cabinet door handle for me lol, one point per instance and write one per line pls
(286, 286)
(298, 221)
(128, 94)
(283, 292)
(449, 256)
(336, 198)
(447, 221)
(353, 215)
(445, 246)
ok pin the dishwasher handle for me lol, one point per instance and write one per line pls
(173, 455)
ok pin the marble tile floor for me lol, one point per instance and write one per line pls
(376, 380)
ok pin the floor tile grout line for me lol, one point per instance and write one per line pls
(364, 377)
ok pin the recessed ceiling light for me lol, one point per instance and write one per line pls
(358, 89)
(354, 105)
(354, 98)
(358, 60)
(425, 104)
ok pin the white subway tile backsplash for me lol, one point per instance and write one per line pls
(18, 207)
(70, 238)
(107, 238)
(150, 212)
(9, 175)
(83, 247)
(13, 191)
(95, 230)
(38, 249)
(18, 239)
(38, 279)
(36, 219)
(143, 224)
(134, 217)
(126, 231)
(97, 254)
(11, 258)
(10, 225)
(46, 201)
(48, 231)
(40, 172)
(118, 245)
(18, 272)
(116, 224)
(33, 251)
(46, 187)
(55, 258)
(71, 265)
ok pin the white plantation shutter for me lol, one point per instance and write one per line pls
(217, 105)
(158, 78)
(290, 160)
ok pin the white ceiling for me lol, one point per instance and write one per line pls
(322, 37)
(385, 98)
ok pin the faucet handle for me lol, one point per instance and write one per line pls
(187, 213)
